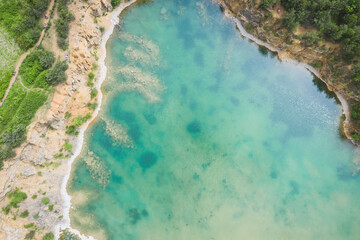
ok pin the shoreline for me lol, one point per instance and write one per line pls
(284, 58)
(103, 72)
(66, 224)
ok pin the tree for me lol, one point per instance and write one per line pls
(290, 21)
(57, 73)
(15, 136)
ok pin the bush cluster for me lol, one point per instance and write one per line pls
(337, 20)
(62, 24)
(21, 19)
(15, 198)
(34, 65)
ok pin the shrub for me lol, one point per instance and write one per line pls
(114, 3)
(62, 24)
(45, 200)
(51, 207)
(93, 93)
(30, 235)
(48, 236)
(15, 198)
(24, 214)
(290, 21)
(80, 120)
(15, 136)
(94, 67)
(71, 130)
(92, 106)
(57, 73)
(46, 58)
(356, 72)
(34, 64)
(91, 75)
(68, 147)
(5, 154)
(30, 225)
(310, 39)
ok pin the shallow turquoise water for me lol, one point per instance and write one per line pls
(203, 136)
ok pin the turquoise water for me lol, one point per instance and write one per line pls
(203, 136)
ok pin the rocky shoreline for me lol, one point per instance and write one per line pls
(266, 31)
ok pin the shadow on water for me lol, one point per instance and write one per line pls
(266, 52)
(322, 87)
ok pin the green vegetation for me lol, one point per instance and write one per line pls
(92, 106)
(30, 235)
(9, 53)
(68, 236)
(38, 73)
(114, 3)
(265, 4)
(80, 120)
(62, 24)
(94, 67)
(33, 67)
(68, 147)
(71, 130)
(48, 236)
(30, 225)
(24, 214)
(93, 93)
(15, 198)
(356, 72)
(77, 122)
(91, 75)
(22, 20)
(310, 39)
(57, 73)
(45, 200)
(51, 207)
(337, 20)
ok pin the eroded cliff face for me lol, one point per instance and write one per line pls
(41, 162)
(323, 60)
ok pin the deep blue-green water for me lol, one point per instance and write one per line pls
(203, 136)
